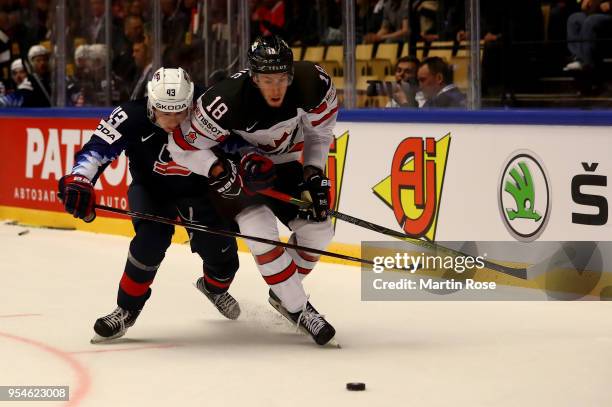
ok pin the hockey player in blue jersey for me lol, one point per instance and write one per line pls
(160, 187)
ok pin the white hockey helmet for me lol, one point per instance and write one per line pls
(170, 90)
(36, 51)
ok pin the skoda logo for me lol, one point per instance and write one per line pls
(524, 196)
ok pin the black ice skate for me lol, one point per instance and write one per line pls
(309, 321)
(114, 325)
(225, 303)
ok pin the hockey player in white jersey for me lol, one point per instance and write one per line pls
(278, 111)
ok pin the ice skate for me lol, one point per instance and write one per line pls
(114, 325)
(225, 303)
(309, 321)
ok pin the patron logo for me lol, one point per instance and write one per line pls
(524, 196)
(599, 215)
(414, 188)
(335, 169)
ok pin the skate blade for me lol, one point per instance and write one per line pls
(332, 343)
(97, 339)
(281, 310)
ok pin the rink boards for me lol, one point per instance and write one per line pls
(436, 176)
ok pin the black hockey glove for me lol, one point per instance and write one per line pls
(316, 190)
(257, 173)
(78, 196)
(227, 183)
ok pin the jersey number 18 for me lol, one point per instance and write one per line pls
(219, 111)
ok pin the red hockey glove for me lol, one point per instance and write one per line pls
(78, 196)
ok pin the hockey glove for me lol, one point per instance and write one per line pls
(78, 196)
(257, 172)
(227, 183)
(316, 190)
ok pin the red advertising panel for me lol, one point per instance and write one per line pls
(39, 151)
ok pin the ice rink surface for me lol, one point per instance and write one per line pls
(181, 352)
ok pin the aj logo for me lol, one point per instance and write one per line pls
(414, 188)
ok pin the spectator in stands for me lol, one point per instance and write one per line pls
(88, 87)
(369, 17)
(5, 44)
(426, 12)
(270, 16)
(136, 8)
(330, 17)
(22, 96)
(18, 73)
(118, 10)
(123, 62)
(38, 56)
(142, 58)
(38, 20)
(512, 31)
(395, 25)
(584, 28)
(96, 26)
(174, 23)
(560, 10)
(40, 76)
(81, 87)
(434, 76)
(406, 86)
(302, 23)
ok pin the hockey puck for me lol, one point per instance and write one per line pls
(355, 386)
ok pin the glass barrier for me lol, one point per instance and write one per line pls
(409, 54)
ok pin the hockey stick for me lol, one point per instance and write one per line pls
(520, 272)
(203, 228)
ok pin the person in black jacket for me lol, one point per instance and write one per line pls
(435, 82)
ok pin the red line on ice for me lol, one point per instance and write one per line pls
(83, 379)
(169, 345)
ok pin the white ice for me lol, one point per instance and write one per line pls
(181, 352)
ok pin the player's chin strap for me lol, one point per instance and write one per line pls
(519, 272)
(221, 232)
